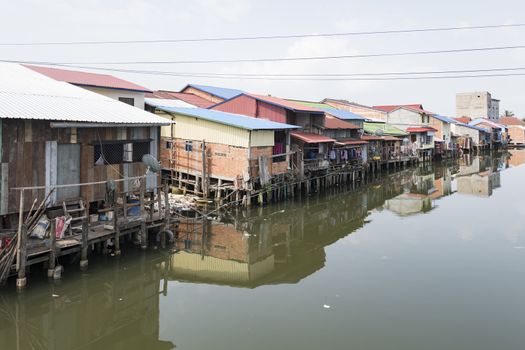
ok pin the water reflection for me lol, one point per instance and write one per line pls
(118, 303)
(112, 307)
(285, 243)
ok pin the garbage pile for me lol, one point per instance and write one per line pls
(178, 203)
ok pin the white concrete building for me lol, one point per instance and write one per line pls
(478, 104)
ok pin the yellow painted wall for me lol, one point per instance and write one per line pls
(262, 138)
(190, 128)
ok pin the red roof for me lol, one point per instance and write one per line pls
(420, 129)
(183, 96)
(464, 120)
(297, 107)
(336, 123)
(311, 138)
(371, 137)
(87, 79)
(414, 107)
(511, 121)
(351, 142)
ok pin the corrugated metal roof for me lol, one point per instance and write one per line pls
(444, 119)
(420, 129)
(511, 121)
(311, 138)
(26, 94)
(88, 79)
(167, 102)
(225, 93)
(387, 129)
(192, 99)
(237, 120)
(413, 107)
(471, 126)
(351, 142)
(336, 123)
(290, 105)
(338, 113)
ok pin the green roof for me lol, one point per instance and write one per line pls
(313, 104)
(371, 128)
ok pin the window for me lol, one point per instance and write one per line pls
(169, 144)
(109, 153)
(188, 147)
(120, 152)
(128, 100)
(128, 152)
(139, 150)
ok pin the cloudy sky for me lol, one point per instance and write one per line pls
(94, 20)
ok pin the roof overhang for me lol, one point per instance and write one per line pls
(63, 125)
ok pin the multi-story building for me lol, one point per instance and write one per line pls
(477, 105)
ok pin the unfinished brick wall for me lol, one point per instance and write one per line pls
(223, 161)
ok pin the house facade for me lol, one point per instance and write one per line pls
(207, 148)
(66, 135)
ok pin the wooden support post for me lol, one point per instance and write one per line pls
(204, 182)
(142, 196)
(152, 204)
(144, 236)
(125, 205)
(167, 211)
(84, 246)
(117, 230)
(21, 281)
(52, 253)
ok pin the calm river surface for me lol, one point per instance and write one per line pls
(428, 258)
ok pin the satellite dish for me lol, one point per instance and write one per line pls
(151, 163)
(379, 132)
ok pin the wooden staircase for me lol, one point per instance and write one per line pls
(78, 212)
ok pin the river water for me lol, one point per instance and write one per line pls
(427, 258)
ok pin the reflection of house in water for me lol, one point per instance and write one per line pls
(117, 309)
(517, 157)
(427, 184)
(278, 244)
(409, 204)
(478, 176)
(481, 184)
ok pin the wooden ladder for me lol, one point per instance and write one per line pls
(78, 212)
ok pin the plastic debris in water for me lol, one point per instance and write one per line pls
(55, 295)
(326, 306)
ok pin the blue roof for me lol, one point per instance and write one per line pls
(345, 115)
(472, 127)
(236, 120)
(444, 119)
(221, 92)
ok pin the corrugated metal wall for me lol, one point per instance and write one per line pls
(197, 129)
(262, 138)
(271, 112)
(241, 105)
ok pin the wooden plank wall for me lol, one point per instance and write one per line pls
(23, 158)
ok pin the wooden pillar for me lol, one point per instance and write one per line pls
(21, 281)
(21, 245)
(84, 246)
(142, 196)
(167, 211)
(117, 229)
(52, 253)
